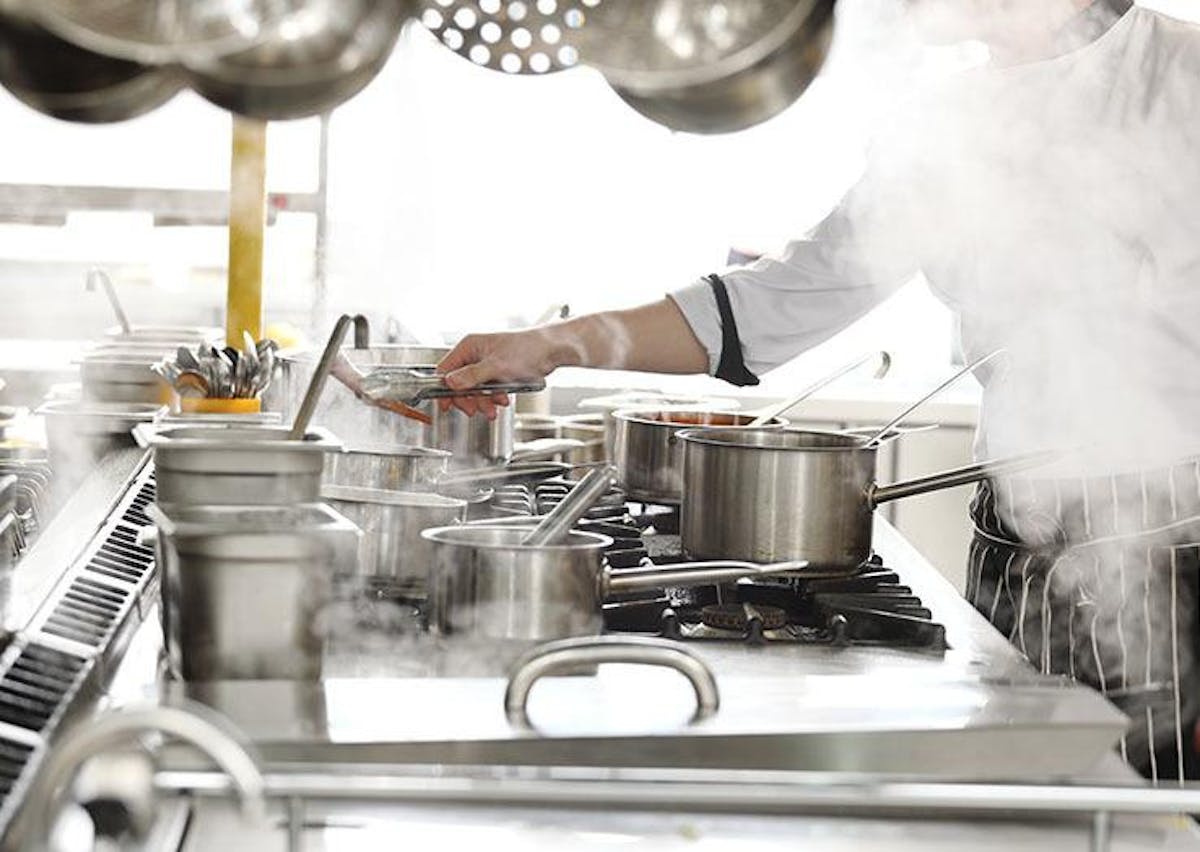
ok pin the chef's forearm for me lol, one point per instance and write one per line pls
(653, 338)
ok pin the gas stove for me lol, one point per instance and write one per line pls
(872, 606)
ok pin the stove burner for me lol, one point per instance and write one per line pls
(740, 616)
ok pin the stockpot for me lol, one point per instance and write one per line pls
(394, 558)
(771, 494)
(485, 584)
(647, 452)
(395, 468)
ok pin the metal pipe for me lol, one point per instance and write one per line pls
(693, 574)
(810, 792)
(247, 230)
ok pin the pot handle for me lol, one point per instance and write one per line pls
(958, 476)
(567, 655)
(684, 574)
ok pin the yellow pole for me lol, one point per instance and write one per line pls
(247, 224)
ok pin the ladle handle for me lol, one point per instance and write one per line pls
(899, 418)
(95, 274)
(768, 414)
(313, 395)
(568, 655)
(557, 523)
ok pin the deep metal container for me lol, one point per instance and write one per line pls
(394, 558)
(223, 465)
(396, 468)
(246, 589)
(122, 376)
(647, 452)
(772, 494)
(79, 433)
(472, 441)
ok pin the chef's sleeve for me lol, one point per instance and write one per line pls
(757, 317)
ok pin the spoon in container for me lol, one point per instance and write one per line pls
(95, 276)
(768, 414)
(895, 421)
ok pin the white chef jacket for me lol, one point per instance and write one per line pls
(1055, 207)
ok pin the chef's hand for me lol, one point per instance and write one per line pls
(502, 357)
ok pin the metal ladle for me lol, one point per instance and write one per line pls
(95, 276)
(554, 527)
(313, 395)
(895, 421)
(770, 413)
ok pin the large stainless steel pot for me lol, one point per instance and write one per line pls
(708, 67)
(771, 494)
(394, 558)
(390, 468)
(224, 465)
(304, 70)
(485, 584)
(646, 400)
(245, 588)
(648, 455)
(338, 410)
(64, 81)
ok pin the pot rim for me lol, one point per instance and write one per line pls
(219, 437)
(403, 450)
(713, 438)
(389, 497)
(583, 540)
(642, 416)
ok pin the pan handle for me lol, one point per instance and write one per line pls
(684, 574)
(567, 655)
(877, 494)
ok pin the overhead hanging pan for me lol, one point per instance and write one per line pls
(303, 71)
(706, 66)
(64, 81)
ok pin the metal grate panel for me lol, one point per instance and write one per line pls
(35, 686)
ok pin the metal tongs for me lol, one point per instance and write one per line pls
(413, 385)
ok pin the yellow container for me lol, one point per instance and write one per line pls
(192, 405)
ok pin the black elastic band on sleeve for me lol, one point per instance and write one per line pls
(732, 366)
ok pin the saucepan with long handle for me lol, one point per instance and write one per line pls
(768, 494)
(484, 582)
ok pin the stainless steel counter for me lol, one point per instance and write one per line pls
(407, 744)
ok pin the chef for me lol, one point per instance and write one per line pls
(1052, 200)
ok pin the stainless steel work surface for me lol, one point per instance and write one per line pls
(976, 711)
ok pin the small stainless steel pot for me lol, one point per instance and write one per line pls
(485, 584)
(396, 468)
(245, 588)
(472, 441)
(648, 455)
(223, 465)
(590, 429)
(770, 494)
(394, 558)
